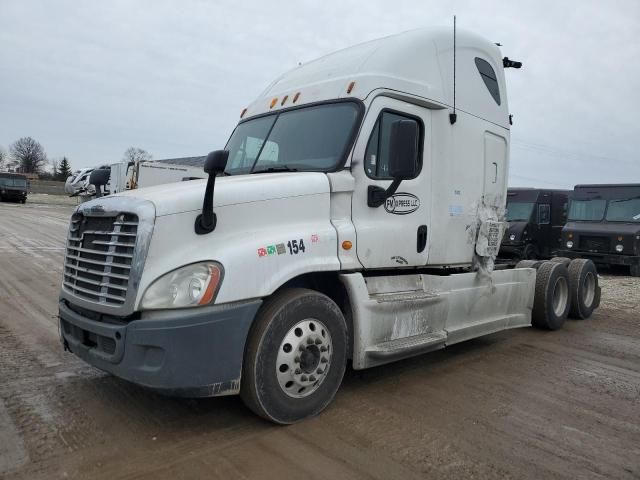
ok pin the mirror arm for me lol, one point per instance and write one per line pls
(376, 196)
(206, 221)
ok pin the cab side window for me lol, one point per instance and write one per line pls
(376, 160)
(488, 75)
(544, 214)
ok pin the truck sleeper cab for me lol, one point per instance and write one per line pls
(536, 217)
(349, 217)
(604, 225)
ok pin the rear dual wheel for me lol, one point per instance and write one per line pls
(295, 357)
(551, 301)
(585, 292)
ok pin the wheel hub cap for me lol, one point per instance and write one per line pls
(304, 358)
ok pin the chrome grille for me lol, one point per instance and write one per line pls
(100, 252)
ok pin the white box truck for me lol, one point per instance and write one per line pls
(353, 214)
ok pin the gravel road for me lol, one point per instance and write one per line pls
(518, 404)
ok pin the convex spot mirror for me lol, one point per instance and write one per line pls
(403, 159)
(216, 162)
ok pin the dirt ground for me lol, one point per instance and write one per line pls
(518, 404)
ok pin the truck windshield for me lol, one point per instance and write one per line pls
(313, 138)
(519, 211)
(587, 210)
(13, 182)
(627, 210)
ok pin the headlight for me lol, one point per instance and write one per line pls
(619, 248)
(512, 237)
(569, 244)
(190, 286)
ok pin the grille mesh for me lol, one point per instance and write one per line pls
(99, 257)
(595, 244)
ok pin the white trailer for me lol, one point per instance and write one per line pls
(358, 218)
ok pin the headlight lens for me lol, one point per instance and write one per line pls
(569, 244)
(189, 286)
(512, 237)
(619, 248)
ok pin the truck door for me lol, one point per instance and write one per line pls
(395, 234)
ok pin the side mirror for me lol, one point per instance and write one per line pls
(403, 160)
(403, 149)
(216, 162)
(99, 178)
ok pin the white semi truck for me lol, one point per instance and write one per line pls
(353, 214)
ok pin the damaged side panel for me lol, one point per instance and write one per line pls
(400, 316)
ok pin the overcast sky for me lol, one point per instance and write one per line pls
(88, 79)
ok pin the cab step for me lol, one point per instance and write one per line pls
(407, 346)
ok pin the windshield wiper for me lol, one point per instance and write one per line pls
(279, 168)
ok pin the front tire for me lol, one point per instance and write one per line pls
(295, 356)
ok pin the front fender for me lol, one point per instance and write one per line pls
(255, 242)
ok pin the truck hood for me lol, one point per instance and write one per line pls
(187, 196)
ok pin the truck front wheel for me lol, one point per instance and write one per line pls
(295, 356)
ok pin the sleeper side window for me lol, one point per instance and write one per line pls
(376, 162)
(489, 77)
(544, 214)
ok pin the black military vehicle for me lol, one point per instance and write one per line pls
(604, 225)
(536, 217)
(13, 186)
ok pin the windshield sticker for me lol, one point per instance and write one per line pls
(402, 204)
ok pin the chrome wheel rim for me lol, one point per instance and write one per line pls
(589, 288)
(304, 358)
(560, 296)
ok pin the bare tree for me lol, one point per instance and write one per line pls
(134, 154)
(29, 154)
(3, 157)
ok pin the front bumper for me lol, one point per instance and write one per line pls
(602, 258)
(190, 352)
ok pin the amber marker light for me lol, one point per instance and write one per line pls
(273, 102)
(570, 235)
(212, 286)
(244, 110)
(350, 87)
(347, 245)
(295, 97)
(284, 100)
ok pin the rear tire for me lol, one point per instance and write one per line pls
(563, 260)
(551, 302)
(585, 292)
(295, 356)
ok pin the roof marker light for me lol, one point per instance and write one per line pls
(244, 110)
(295, 97)
(350, 87)
(273, 102)
(284, 100)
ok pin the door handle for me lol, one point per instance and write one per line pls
(422, 238)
